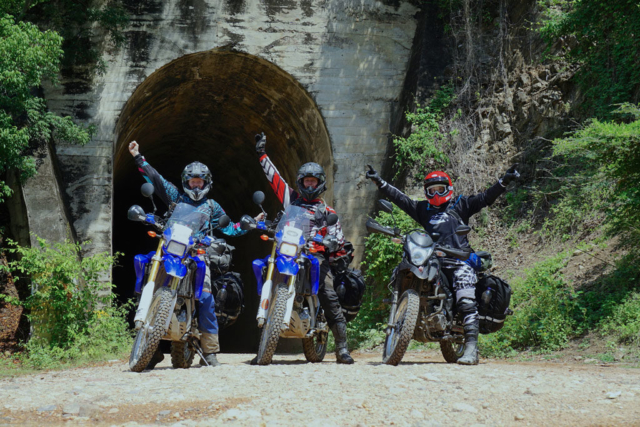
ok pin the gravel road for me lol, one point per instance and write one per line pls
(421, 391)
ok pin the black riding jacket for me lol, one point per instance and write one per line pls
(440, 220)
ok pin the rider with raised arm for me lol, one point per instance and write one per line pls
(311, 183)
(196, 183)
(442, 214)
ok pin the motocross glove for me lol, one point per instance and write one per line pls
(261, 143)
(509, 176)
(374, 176)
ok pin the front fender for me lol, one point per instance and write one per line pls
(287, 265)
(174, 266)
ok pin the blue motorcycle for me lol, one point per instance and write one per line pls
(173, 277)
(288, 282)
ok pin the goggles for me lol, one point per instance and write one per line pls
(437, 189)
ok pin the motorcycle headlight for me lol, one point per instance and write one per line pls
(176, 248)
(288, 249)
(419, 255)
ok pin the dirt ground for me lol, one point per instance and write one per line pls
(422, 391)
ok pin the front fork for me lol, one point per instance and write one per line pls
(265, 296)
(392, 313)
(147, 291)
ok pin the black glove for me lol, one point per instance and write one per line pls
(510, 175)
(374, 176)
(261, 143)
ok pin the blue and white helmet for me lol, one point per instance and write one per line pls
(196, 170)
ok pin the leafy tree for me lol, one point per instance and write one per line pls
(27, 57)
(604, 37)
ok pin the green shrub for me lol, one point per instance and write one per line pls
(544, 308)
(72, 313)
(426, 139)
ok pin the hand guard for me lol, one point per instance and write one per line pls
(261, 143)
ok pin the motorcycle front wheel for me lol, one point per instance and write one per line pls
(402, 327)
(273, 326)
(149, 335)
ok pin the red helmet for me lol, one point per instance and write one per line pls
(438, 196)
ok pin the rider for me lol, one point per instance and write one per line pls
(442, 214)
(311, 183)
(196, 183)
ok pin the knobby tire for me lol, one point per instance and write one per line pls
(405, 324)
(273, 326)
(159, 312)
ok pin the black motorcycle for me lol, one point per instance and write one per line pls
(422, 303)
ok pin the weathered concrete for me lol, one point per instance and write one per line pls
(350, 56)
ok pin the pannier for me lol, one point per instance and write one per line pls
(493, 296)
(228, 293)
(349, 285)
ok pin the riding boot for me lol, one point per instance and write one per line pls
(157, 358)
(470, 356)
(210, 346)
(340, 335)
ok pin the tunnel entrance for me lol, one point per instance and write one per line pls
(208, 106)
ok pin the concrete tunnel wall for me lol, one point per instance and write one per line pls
(208, 106)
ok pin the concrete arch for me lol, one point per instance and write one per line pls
(207, 106)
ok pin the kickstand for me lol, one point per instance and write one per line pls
(196, 345)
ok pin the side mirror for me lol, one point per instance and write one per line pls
(332, 219)
(385, 205)
(147, 189)
(136, 213)
(258, 197)
(463, 230)
(223, 221)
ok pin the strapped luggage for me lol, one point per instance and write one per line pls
(228, 293)
(349, 285)
(493, 296)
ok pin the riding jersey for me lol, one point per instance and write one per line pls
(288, 196)
(169, 193)
(440, 219)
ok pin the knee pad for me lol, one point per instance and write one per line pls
(467, 306)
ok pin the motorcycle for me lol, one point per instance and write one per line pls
(174, 276)
(422, 303)
(288, 282)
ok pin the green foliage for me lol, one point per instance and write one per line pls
(426, 139)
(72, 313)
(76, 22)
(27, 57)
(610, 154)
(603, 36)
(545, 310)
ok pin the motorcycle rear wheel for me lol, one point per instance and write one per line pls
(273, 326)
(181, 354)
(149, 336)
(404, 323)
(451, 351)
(315, 348)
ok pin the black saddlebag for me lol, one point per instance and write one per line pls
(493, 296)
(229, 303)
(349, 285)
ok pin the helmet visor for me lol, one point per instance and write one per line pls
(437, 189)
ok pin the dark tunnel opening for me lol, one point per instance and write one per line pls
(207, 106)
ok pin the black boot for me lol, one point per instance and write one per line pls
(470, 356)
(157, 358)
(340, 335)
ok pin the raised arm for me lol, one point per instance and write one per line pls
(166, 191)
(396, 196)
(476, 203)
(278, 184)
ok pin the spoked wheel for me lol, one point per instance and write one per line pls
(451, 351)
(149, 336)
(315, 348)
(401, 330)
(182, 354)
(273, 326)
